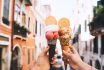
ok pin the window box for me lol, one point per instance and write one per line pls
(28, 3)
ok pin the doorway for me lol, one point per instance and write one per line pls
(16, 59)
(97, 65)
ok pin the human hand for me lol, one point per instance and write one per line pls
(43, 61)
(75, 61)
(73, 58)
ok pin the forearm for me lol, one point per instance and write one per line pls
(85, 66)
(41, 67)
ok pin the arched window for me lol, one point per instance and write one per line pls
(95, 48)
(16, 59)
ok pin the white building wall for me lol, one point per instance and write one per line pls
(85, 13)
(42, 11)
(99, 45)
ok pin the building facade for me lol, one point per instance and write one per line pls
(89, 47)
(23, 35)
(96, 29)
(6, 20)
(43, 10)
(17, 34)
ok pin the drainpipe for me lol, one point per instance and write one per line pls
(12, 22)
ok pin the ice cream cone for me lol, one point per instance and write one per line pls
(51, 37)
(66, 48)
(65, 38)
(51, 30)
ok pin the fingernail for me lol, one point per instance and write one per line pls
(53, 58)
(63, 50)
(47, 47)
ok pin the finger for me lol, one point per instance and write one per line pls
(45, 50)
(66, 54)
(73, 50)
(53, 60)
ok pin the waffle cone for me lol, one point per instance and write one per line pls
(66, 48)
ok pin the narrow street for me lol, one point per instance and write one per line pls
(34, 33)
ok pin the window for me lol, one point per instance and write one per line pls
(36, 27)
(32, 54)
(95, 48)
(97, 65)
(40, 29)
(90, 62)
(75, 40)
(17, 13)
(23, 15)
(85, 26)
(98, 3)
(0, 58)
(102, 2)
(23, 19)
(29, 22)
(86, 46)
(91, 45)
(33, 30)
(79, 29)
(6, 12)
(102, 44)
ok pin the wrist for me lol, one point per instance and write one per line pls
(80, 63)
(84, 66)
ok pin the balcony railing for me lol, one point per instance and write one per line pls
(19, 30)
(28, 3)
(97, 25)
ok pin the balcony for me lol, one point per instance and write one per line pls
(20, 31)
(97, 25)
(28, 3)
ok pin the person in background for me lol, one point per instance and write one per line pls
(73, 59)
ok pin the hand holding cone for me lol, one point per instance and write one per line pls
(64, 36)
